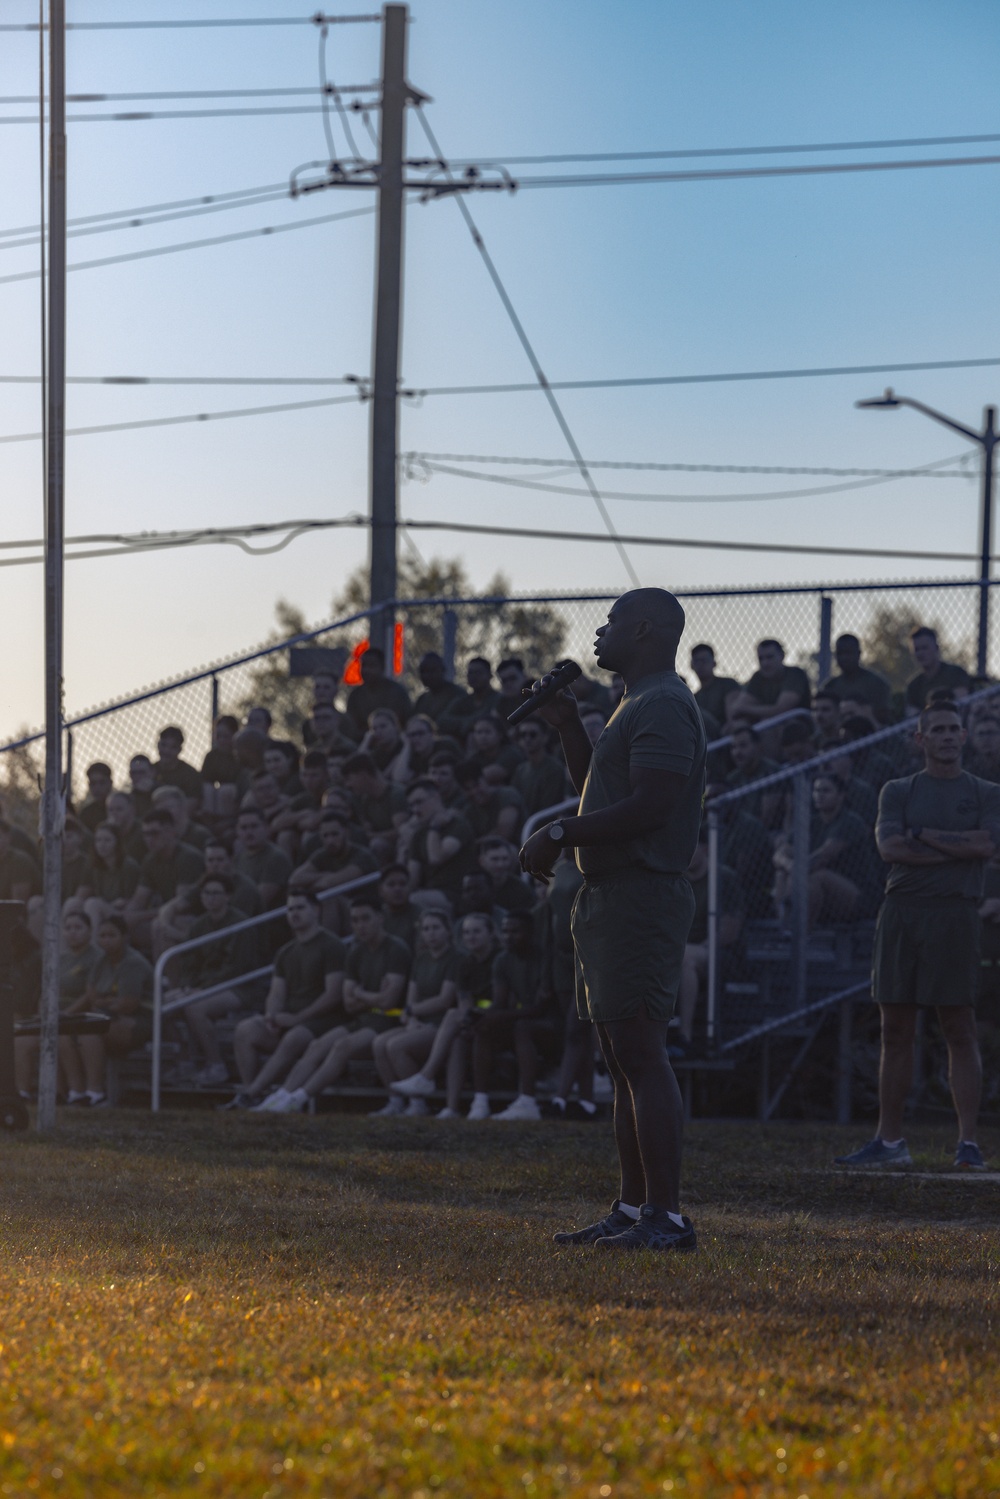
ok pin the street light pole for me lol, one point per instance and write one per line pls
(987, 439)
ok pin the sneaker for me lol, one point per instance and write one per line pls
(877, 1153)
(240, 1100)
(654, 1230)
(215, 1075)
(78, 1100)
(968, 1156)
(523, 1108)
(447, 1113)
(291, 1103)
(615, 1223)
(479, 1108)
(395, 1105)
(416, 1086)
(416, 1108)
(98, 1100)
(273, 1103)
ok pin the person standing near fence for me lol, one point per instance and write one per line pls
(936, 831)
(641, 786)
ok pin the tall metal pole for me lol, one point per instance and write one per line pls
(388, 318)
(52, 795)
(989, 439)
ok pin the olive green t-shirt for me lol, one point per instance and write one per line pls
(324, 861)
(402, 923)
(162, 873)
(75, 969)
(712, 699)
(767, 690)
(475, 979)
(17, 868)
(656, 726)
(521, 975)
(541, 786)
(368, 966)
(864, 687)
(957, 805)
(132, 978)
(446, 877)
(113, 884)
(304, 967)
(920, 687)
(267, 866)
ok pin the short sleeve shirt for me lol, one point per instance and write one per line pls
(521, 974)
(368, 966)
(113, 884)
(17, 869)
(919, 688)
(182, 775)
(767, 690)
(132, 978)
(656, 725)
(446, 877)
(475, 979)
(712, 699)
(304, 966)
(162, 874)
(75, 969)
(540, 786)
(864, 687)
(430, 974)
(268, 866)
(958, 805)
(857, 859)
(329, 863)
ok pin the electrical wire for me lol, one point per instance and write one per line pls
(526, 345)
(147, 541)
(929, 471)
(277, 196)
(315, 20)
(327, 87)
(708, 151)
(234, 198)
(184, 380)
(198, 244)
(178, 421)
(193, 93)
(133, 115)
(679, 499)
(811, 169)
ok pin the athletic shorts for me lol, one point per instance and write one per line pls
(926, 952)
(630, 929)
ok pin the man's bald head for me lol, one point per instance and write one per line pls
(642, 633)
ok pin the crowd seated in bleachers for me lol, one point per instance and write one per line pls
(446, 961)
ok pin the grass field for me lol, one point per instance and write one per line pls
(337, 1306)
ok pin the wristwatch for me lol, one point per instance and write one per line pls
(557, 833)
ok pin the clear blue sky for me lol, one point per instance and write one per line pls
(617, 281)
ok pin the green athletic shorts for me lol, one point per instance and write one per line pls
(630, 929)
(926, 952)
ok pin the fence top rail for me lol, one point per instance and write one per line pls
(787, 772)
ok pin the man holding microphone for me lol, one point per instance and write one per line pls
(641, 790)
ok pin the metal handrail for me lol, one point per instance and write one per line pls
(764, 727)
(193, 943)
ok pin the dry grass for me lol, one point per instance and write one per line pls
(334, 1306)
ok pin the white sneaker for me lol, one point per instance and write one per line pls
(292, 1103)
(523, 1107)
(480, 1107)
(416, 1108)
(416, 1086)
(212, 1076)
(447, 1113)
(274, 1101)
(394, 1106)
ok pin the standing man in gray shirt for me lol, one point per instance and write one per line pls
(641, 787)
(936, 830)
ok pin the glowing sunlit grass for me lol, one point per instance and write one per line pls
(336, 1306)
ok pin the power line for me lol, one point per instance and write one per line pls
(195, 93)
(681, 499)
(133, 115)
(177, 421)
(184, 380)
(811, 169)
(315, 20)
(928, 471)
(197, 244)
(234, 198)
(518, 327)
(708, 151)
(278, 196)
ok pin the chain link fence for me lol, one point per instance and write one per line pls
(539, 629)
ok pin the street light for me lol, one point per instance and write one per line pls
(987, 440)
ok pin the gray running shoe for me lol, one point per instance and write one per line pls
(654, 1230)
(877, 1153)
(968, 1156)
(615, 1223)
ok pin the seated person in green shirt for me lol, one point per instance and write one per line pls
(376, 691)
(400, 913)
(375, 978)
(934, 674)
(333, 733)
(715, 695)
(215, 963)
(439, 694)
(490, 809)
(77, 873)
(380, 803)
(114, 876)
(99, 788)
(436, 844)
(540, 780)
(259, 859)
(450, 1046)
(499, 860)
(750, 765)
(305, 998)
(855, 681)
(844, 875)
(122, 813)
(77, 956)
(432, 993)
(519, 1014)
(300, 819)
(480, 698)
(488, 744)
(169, 869)
(120, 985)
(173, 800)
(245, 896)
(171, 770)
(774, 688)
(419, 743)
(337, 860)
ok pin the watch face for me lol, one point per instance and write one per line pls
(556, 831)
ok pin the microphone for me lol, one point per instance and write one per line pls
(563, 673)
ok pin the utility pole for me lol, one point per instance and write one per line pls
(987, 439)
(388, 318)
(52, 794)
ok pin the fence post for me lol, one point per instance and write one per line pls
(449, 640)
(68, 792)
(845, 1062)
(801, 799)
(825, 653)
(215, 709)
(712, 996)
